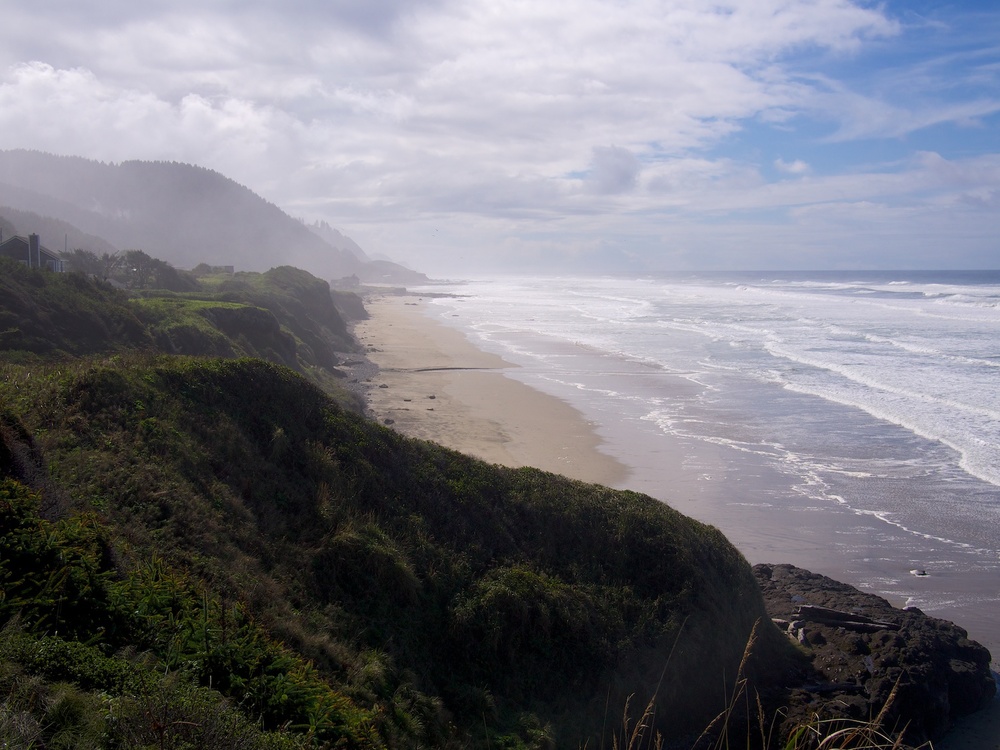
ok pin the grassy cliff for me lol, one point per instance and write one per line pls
(216, 545)
(284, 315)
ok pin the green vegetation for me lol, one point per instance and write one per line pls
(132, 269)
(427, 589)
(301, 302)
(74, 623)
(58, 315)
(199, 551)
(284, 315)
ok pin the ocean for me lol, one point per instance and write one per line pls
(846, 422)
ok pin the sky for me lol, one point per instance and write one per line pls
(561, 136)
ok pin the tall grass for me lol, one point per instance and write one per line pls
(759, 729)
(844, 734)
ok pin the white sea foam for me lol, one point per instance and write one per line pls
(875, 394)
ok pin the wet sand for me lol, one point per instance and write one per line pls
(435, 385)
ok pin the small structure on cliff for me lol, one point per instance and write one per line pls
(31, 252)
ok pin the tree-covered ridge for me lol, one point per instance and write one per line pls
(181, 213)
(56, 234)
(448, 601)
(284, 315)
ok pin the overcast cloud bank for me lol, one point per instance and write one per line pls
(456, 136)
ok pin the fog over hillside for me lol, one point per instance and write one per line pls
(180, 213)
(56, 234)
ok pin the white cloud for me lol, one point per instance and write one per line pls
(482, 114)
(796, 167)
(613, 170)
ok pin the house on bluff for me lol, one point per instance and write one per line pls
(31, 252)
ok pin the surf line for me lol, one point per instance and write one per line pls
(437, 369)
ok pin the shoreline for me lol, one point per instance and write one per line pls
(434, 384)
(488, 407)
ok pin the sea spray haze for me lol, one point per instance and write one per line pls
(846, 421)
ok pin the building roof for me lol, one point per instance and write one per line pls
(17, 247)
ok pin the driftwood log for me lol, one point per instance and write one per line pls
(839, 619)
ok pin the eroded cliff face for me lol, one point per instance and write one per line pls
(860, 648)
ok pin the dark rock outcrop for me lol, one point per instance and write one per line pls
(860, 649)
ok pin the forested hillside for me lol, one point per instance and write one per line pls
(59, 235)
(180, 213)
(284, 315)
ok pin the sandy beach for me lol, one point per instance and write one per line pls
(435, 385)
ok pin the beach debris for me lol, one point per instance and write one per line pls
(388, 421)
(432, 396)
(918, 572)
(839, 619)
(383, 385)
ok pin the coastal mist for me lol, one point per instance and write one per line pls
(848, 422)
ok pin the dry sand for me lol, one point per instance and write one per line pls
(434, 384)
